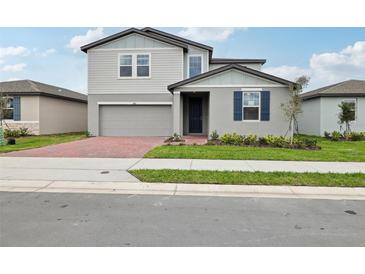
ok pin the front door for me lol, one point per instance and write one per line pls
(195, 115)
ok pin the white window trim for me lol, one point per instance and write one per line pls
(134, 65)
(188, 64)
(243, 107)
(349, 100)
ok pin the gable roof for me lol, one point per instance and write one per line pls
(180, 39)
(226, 68)
(29, 87)
(121, 34)
(348, 88)
(237, 61)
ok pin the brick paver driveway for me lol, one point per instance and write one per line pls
(96, 147)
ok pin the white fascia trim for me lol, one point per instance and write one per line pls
(234, 86)
(136, 103)
(131, 49)
(128, 93)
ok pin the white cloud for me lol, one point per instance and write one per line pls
(48, 52)
(207, 34)
(329, 67)
(14, 68)
(13, 51)
(79, 40)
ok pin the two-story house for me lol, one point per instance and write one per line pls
(145, 82)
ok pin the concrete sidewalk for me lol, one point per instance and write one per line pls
(109, 166)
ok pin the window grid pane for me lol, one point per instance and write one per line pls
(251, 113)
(195, 65)
(126, 60)
(143, 60)
(251, 99)
(143, 71)
(125, 71)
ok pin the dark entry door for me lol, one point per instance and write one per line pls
(195, 115)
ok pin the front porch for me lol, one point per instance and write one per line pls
(191, 113)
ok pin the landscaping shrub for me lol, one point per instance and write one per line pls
(357, 136)
(24, 131)
(250, 140)
(174, 138)
(214, 135)
(232, 139)
(12, 133)
(336, 136)
(309, 142)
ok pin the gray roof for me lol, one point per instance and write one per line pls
(29, 87)
(348, 88)
(229, 67)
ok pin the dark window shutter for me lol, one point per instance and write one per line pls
(16, 106)
(237, 106)
(265, 105)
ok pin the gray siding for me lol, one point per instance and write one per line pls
(134, 41)
(196, 51)
(166, 68)
(251, 66)
(309, 121)
(233, 77)
(94, 107)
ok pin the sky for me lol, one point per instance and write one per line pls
(326, 55)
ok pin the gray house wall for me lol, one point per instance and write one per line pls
(309, 121)
(61, 116)
(321, 114)
(104, 85)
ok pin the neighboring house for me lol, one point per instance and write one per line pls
(320, 107)
(42, 108)
(151, 83)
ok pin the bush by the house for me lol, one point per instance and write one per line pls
(351, 136)
(15, 133)
(265, 141)
(24, 131)
(214, 135)
(176, 138)
(231, 139)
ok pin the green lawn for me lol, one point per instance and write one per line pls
(23, 143)
(331, 151)
(250, 178)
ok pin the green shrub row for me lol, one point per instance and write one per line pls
(269, 140)
(338, 136)
(15, 133)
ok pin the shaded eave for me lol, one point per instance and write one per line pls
(319, 95)
(180, 39)
(226, 68)
(237, 61)
(118, 35)
(45, 94)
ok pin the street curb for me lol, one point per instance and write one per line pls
(259, 191)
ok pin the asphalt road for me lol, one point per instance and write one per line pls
(49, 219)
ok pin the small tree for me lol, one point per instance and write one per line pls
(346, 115)
(3, 105)
(294, 106)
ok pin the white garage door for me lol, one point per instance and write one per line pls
(135, 120)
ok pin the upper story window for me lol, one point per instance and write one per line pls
(8, 110)
(135, 65)
(251, 106)
(195, 65)
(352, 104)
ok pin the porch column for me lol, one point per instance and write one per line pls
(177, 113)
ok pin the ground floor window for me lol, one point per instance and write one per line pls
(8, 110)
(251, 106)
